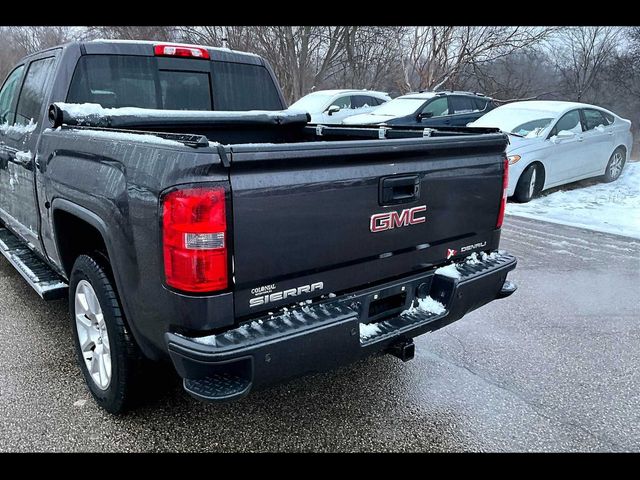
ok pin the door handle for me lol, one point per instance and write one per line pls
(401, 189)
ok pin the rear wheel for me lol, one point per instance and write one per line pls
(529, 184)
(615, 165)
(106, 352)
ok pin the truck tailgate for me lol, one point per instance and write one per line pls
(302, 213)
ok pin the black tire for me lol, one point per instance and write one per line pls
(524, 191)
(612, 174)
(124, 353)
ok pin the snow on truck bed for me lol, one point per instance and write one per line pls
(606, 207)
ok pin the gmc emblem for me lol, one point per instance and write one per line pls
(387, 221)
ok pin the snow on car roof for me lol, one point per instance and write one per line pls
(547, 105)
(338, 91)
(423, 95)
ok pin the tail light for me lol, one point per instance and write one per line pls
(194, 230)
(180, 51)
(503, 200)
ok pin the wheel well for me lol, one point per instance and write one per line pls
(541, 169)
(75, 237)
(624, 149)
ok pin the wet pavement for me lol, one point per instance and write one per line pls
(552, 368)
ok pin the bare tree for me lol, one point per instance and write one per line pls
(582, 56)
(624, 70)
(437, 55)
(523, 75)
(25, 40)
(303, 58)
(161, 33)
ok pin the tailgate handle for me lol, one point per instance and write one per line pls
(394, 190)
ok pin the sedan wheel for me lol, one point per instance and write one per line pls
(529, 184)
(615, 165)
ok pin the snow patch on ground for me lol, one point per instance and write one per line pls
(605, 207)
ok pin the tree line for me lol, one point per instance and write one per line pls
(599, 65)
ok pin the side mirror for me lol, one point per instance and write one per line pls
(424, 115)
(566, 134)
(562, 135)
(333, 109)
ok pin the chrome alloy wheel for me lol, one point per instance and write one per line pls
(92, 335)
(616, 165)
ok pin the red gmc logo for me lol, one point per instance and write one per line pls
(387, 221)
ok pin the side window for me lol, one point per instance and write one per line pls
(362, 101)
(609, 117)
(460, 105)
(8, 94)
(342, 102)
(33, 90)
(569, 121)
(437, 107)
(479, 104)
(593, 118)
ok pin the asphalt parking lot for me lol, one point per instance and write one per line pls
(553, 368)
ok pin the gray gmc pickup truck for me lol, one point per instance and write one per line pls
(187, 216)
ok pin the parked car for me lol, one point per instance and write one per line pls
(246, 246)
(333, 106)
(554, 143)
(427, 109)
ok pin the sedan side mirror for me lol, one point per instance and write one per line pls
(562, 135)
(333, 109)
(425, 115)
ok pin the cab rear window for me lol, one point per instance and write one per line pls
(115, 81)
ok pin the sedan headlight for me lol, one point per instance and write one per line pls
(513, 159)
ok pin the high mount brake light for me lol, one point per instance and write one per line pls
(503, 200)
(194, 227)
(165, 50)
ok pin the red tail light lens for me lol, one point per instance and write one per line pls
(180, 51)
(194, 229)
(505, 185)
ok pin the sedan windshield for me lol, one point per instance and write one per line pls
(312, 103)
(523, 122)
(399, 107)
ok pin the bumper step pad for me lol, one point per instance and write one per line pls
(217, 386)
(47, 283)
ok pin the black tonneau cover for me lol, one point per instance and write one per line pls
(90, 115)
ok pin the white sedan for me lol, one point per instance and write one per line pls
(553, 143)
(333, 106)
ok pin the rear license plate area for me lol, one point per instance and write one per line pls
(387, 306)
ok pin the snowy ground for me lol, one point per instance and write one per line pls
(605, 207)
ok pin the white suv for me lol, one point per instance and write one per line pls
(333, 106)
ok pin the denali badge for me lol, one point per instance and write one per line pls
(386, 221)
(474, 246)
(277, 296)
